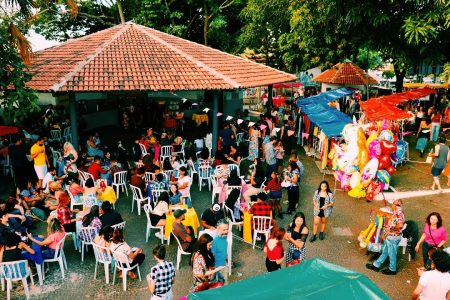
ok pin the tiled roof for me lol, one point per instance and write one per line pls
(345, 73)
(134, 57)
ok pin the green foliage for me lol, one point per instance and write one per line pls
(388, 74)
(16, 100)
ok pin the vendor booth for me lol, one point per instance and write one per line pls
(312, 279)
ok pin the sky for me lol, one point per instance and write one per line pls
(38, 42)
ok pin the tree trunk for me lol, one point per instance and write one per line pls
(119, 8)
(399, 76)
(206, 17)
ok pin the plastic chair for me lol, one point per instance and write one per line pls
(180, 251)
(232, 167)
(239, 138)
(143, 150)
(148, 176)
(137, 197)
(216, 189)
(156, 194)
(121, 262)
(148, 210)
(229, 214)
(168, 174)
(7, 167)
(120, 225)
(67, 134)
(103, 256)
(56, 135)
(11, 272)
(85, 176)
(59, 258)
(73, 201)
(192, 170)
(261, 225)
(87, 236)
(120, 181)
(234, 187)
(166, 152)
(404, 243)
(204, 173)
(56, 156)
(138, 164)
(183, 143)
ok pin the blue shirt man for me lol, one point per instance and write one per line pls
(220, 244)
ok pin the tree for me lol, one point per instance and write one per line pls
(16, 100)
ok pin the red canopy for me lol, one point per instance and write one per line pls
(287, 85)
(7, 130)
(386, 107)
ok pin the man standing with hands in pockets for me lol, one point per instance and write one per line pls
(161, 277)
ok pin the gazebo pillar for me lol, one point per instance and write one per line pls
(215, 122)
(270, 97)
(73, 120)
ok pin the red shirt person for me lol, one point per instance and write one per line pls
(95, 169)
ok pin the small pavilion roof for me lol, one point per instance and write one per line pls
(345, 73)
(133, 57)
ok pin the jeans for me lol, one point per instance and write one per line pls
(390, 248)
(435, 127)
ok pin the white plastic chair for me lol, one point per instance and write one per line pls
(239, 138)
(156, 194)
(231, 219)
(148, 210)
(85, 176)
(143, 150)
(138, 164)
(120, 181)
(404, 243)
(67, 134)
(121, 262)
(56, 156)
(103, 256)
(7, 167)
(261, 225)
(232, 167)
(148, 176)
(183, 143)
(234, 187)
(216, 188)
(204, 173)
(137, 197)
(56, 135)
(208, 141)
(180, 251)
(73, 201)
(165, 152)
(168, 174)
(120, 225)
(11, 272)
(59, 258)
(192, 170)
(87, 236)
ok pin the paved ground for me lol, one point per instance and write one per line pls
(340, 246)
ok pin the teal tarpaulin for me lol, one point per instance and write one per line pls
(314, 279)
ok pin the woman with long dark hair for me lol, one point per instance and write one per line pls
(323, 201)
(202, 261)
(434, 235)
(296, 236)
(274, 250)
(134, 255)
(92, 219)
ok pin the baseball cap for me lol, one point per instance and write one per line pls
(216, 207)
(179, 212)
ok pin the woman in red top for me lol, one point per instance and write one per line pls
(274, 250)
(275, 194)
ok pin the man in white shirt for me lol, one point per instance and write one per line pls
(434, 284)
(49, 177)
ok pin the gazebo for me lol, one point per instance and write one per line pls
(130, 58)
(345, 74)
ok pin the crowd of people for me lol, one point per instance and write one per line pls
(249, 173)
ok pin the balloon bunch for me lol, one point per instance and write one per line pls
(363, 164)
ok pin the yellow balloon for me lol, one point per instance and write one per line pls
(357, 192)
(372, 137)
(355, 179)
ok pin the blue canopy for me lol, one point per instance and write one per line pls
(328, 119)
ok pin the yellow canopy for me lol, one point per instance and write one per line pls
(413, 85)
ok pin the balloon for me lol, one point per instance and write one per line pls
(355, 179)
(374, 149)
(357, 192)
(345, 182)
(338, 175)
(363, 158)
(383, 176)
(350, 169)
(371, 138)
(372, 190)
(370, 170)
(361, 138)
(390, 170)
(386, 135)
(387, 148)
(384, 162)
(401, 150)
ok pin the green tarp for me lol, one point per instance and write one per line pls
(312, 279)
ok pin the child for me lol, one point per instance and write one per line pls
(279, 154)
(275, 194)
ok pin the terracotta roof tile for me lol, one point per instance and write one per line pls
(134, 57)
(345, 73)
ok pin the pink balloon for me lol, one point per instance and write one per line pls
(374, 149)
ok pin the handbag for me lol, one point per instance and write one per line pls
(435, 246)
